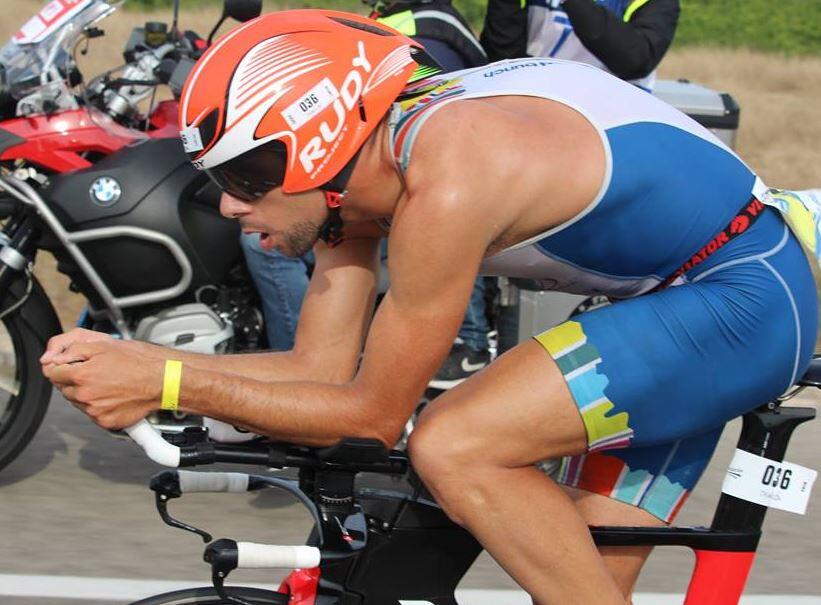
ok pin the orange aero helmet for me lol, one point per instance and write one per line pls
(289, 98)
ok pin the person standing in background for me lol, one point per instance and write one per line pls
(625, 37)
(281, 282)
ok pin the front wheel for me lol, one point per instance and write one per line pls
(24, 391)
(208, 596)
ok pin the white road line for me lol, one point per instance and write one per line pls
(100, 589)
(119, 589)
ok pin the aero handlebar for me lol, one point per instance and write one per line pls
(251, 555)
(155, 447)
(352, 455)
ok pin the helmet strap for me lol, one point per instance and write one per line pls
(335, 191)
(331, 230)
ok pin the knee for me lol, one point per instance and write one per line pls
(428, 447)
(446, 460)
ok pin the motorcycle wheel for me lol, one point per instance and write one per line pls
(24, 391)
(208, 596)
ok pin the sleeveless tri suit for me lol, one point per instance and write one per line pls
(658, 374)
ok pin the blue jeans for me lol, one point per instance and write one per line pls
(281, 282)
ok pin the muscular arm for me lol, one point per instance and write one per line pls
(338, 305)
(437, 241)
(410, 336)
(629, 49)
(441, 230)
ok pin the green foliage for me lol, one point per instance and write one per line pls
(474, 12)
(349, 5)
(785, 26)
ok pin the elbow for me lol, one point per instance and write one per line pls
(380, 422)
(388, 431)
(633, 71)
(390, 436)
(631, 67)
(319, 368)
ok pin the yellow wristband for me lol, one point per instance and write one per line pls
(171, 385)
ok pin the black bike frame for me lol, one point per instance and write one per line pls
(380, 547)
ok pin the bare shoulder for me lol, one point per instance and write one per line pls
(465, 132)
(463, 158)
(496, 160)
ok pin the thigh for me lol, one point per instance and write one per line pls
(515, 412)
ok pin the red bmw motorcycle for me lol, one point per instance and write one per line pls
(94, 173)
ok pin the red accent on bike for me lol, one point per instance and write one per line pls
(165, 120)
(301, 584)
(56, 142)
(719, 577)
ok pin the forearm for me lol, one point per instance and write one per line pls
(629, 49)
(266, 367)
(331, 329)
(308, 413)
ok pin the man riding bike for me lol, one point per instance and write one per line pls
(532, 168)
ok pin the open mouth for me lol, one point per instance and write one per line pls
(266, 242)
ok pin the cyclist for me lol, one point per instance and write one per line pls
(307, 121)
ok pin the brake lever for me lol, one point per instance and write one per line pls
(166, 485)
(223, 556)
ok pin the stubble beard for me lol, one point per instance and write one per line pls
(301, 238)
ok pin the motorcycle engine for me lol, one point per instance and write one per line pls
(191, 327)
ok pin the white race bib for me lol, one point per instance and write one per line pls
(310, 104)
(781, 485)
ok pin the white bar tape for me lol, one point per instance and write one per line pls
(222, 432)
(256, 556)
(155, 447)
(192, 481)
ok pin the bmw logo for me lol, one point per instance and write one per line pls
(105, 191)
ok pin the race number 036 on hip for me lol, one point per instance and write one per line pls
(781, 485)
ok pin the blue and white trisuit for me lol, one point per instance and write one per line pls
(658, 374)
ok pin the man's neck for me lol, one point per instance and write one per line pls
(375, 186)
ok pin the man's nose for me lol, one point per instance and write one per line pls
(231, 207)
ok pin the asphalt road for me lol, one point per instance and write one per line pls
(76, 503)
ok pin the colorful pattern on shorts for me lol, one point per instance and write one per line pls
(680, 363)
(578, 360)
(609, 475)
